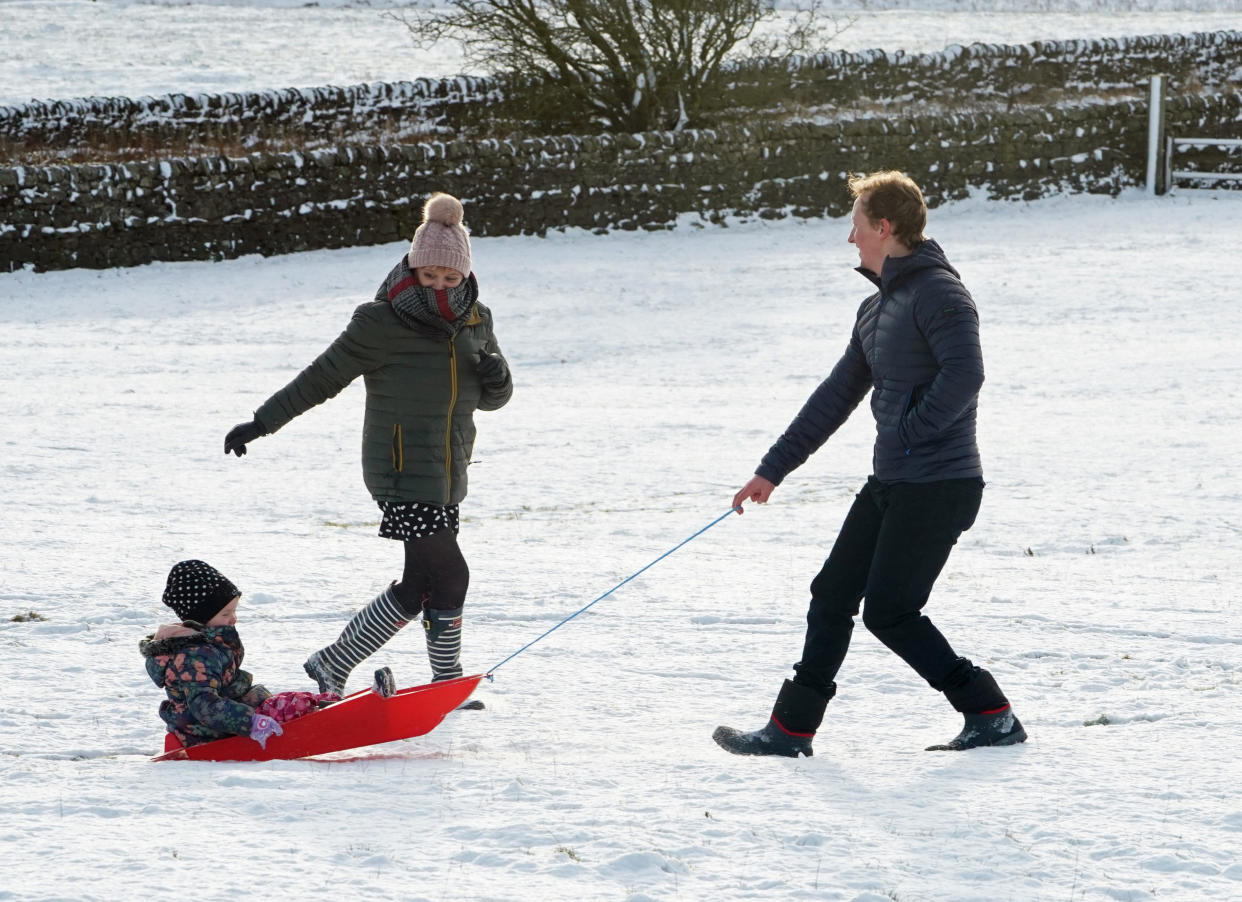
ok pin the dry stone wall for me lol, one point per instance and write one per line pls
(57, 217)
(189, 209)
(321, 112)
(1000, 73)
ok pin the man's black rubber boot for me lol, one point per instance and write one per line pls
(983, 729)
(796, 716)
(771, 740)
(989, 717)
(970, 689)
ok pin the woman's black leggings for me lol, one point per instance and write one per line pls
(435, 577)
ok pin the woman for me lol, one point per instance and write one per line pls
(426, 349)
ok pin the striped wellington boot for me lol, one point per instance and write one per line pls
(362, 637)
(443, 630)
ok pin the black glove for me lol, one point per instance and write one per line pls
(493, 371)
(241, 435)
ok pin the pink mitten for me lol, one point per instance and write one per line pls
(263, 727)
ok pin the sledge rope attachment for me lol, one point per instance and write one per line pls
(732, 510)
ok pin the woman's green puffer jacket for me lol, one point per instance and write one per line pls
(422, 391)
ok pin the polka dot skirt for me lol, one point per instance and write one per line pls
(414, 520)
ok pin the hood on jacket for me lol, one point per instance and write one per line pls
(170, 638)
(927, 255)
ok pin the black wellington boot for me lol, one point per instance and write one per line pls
(385, 685)
(989, 716)
(985, 728)
(796, 716)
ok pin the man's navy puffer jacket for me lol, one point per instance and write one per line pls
(916, 346)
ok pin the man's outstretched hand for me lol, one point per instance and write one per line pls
(757, 490)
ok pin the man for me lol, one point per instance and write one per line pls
(915, 346)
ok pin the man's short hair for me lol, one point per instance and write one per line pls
(894, 196)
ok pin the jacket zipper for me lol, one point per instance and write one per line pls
(448, 426)
(905, 410)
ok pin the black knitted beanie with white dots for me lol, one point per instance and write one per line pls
(197, 591)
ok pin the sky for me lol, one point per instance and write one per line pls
(1100, 583)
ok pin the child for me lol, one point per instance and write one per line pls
(426, 349)
(198, 663)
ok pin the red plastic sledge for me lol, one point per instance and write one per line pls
(363, 718)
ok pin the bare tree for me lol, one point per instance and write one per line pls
(630, 65)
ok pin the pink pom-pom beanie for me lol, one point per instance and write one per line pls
(441, 240)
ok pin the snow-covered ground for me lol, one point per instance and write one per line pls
(1101, 583)
(55, 49)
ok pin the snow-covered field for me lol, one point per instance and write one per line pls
(54, 49)
(1101, 583)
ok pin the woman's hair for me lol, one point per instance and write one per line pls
(894, 196)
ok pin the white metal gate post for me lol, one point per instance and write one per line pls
(1157, 182)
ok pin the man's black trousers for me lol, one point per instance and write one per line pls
(891, 548)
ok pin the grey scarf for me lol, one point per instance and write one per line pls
(418, 307)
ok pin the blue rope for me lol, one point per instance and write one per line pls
(731, 510)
